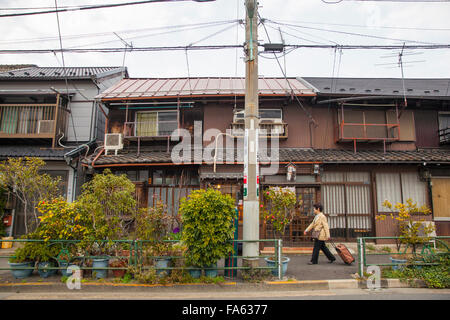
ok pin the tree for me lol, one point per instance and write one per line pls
(23, 178)
(108, 199)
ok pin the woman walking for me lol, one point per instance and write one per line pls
(320, 233)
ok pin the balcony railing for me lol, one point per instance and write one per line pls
(444, 135)
(367, 132)
(42, 121)
(267, 130)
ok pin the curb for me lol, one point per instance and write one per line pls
(291, 285)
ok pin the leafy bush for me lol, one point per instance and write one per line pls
(435, 276)
(207, 217)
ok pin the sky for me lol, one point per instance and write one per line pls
(214, 23)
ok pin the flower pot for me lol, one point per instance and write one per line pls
(118, 273)
(399, 261)
(20, 274)
(43, 270)
(7, 244)
(162, 263)
(211, 272)
(273, 264)
(100, 263)
(65, 272)
(195, 273)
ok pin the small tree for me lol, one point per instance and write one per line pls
(107, 199)
(278, 208)
(23, 178)
(411, 230)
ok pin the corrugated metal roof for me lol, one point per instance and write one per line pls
(381, 86)
(39, 73)
(178, 87)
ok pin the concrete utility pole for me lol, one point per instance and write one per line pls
(251, 170)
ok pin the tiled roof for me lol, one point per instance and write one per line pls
(381, 86)
(9, 67)
(293, 155)
(46, 153)
(177, 87)
(41, 73)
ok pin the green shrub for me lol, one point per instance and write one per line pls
(208, 228)
(434, 276)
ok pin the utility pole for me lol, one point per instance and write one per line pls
(251, 170)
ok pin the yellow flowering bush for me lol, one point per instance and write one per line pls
(61, 220)
(411, 230)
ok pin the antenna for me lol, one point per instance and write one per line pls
(127, 45)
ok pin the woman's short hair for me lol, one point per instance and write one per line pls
(318, 206)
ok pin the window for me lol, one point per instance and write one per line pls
(444, 127)
(156, 123)
(264, 114)
(399, 187)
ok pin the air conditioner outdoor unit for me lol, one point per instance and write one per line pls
(238, 116)
(45, 126)
(113, 141)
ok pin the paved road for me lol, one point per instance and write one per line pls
(336, 294)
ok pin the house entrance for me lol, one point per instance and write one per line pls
(304, 214)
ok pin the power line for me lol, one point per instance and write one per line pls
(222, 47)
(347, 33)
(87, 7)
(184, 27)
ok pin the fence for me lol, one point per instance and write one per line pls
(133, 251)
(426, 250)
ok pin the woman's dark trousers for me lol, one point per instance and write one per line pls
(320, 245)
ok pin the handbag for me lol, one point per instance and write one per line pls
(315, 234)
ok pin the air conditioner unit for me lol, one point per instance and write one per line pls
(238, 116)
(113, 141)
(277, 129)
(46, 126)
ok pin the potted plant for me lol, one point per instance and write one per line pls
(46, 258)
(22, 264)
(119, 263)
(208, 229)
(278, 210)
(412, 231)
(153, 226)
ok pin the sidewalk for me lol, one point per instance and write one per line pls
(299, 276)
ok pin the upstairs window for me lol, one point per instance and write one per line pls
(264, 114)
(156, 123)
(444, 127)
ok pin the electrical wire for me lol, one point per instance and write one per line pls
(348, 33)
(86, 7)
(287, 81)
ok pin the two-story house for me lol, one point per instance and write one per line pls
(349, 154)
(50, 112)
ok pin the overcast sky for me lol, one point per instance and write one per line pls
(162, 24)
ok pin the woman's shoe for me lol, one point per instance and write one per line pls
(311, 263)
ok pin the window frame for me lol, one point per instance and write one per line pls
(157, 120)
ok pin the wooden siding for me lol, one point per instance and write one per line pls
(427, 126)
(441, 197)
